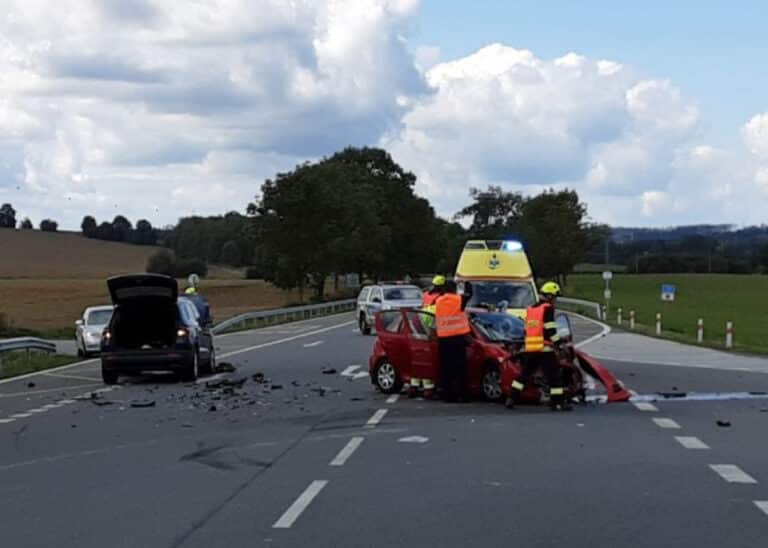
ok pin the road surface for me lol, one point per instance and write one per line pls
(314, 458)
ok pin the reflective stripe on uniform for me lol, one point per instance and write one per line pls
(428, 384)
(550, 325)
(556, 391)
(415, 382)
(516, 385)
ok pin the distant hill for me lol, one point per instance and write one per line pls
(628, 234)
(68, 255)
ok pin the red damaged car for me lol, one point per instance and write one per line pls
(406, 346)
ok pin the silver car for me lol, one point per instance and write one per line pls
(385, 297)
(89, 328)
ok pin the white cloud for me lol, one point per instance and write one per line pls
(756, 135)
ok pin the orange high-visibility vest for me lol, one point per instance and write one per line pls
(429, 301)
(450, 319)
(534, 327)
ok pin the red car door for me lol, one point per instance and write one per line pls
(422, 343)
(392, 333)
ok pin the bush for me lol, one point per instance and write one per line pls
(162, 261)
(47, 225)
(253, 273)
(185, 267)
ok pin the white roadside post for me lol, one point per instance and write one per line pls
(632, 319)
(618, 317)
(729, 335)
(604, 313)
(700, 330)
(658, 323)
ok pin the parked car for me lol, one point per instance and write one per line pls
(375, 298)
(88, 330)
(406, 342)
(151, 329)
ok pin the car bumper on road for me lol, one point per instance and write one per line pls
(166, 360)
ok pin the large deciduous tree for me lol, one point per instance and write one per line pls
(7, 216)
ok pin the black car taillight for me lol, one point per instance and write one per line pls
(182, 334)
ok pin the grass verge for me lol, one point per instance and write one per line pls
(13, 364)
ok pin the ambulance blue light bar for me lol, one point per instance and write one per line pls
(512, 245)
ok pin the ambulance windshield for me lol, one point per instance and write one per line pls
(496, 294)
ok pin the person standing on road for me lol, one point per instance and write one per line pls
(198, 300)
(452, 328)
(426, 379)
(541, 338)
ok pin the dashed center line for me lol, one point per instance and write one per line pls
(732, 473)
(376, 418)
(38, 410)
(347, 451)
(644, 406)
(21, 415)
(300, 504)
(666, 423)
(313, 344)
(691, 442)
(393, 398)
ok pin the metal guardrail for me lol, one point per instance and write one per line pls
(265, 317)
(26, 343)
(582, 302)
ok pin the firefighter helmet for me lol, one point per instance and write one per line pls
(550, 288)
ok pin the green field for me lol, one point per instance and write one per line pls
(717, 298)
(21, 362)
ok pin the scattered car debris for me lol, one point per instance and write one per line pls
(277, 387)
(295, 383)
(100, 402)
(225, 367)
(31, 385)
(672, 394)
(212, 408)
(187, 425)
(259, 378)
(356, 398)
(143, 403)
(724, 424)
(329, 371)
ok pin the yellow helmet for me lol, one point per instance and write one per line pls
(550, 288)
(438, 280)
(190, 291)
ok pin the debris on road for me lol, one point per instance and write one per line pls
(329, 371)
(724, 424)
(669, 395)
(277, 387)
(212, 408)
(143, 403)
(225, 367)
(31, 385)
(100, 402)
(259, 378)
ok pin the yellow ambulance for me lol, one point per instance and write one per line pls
(500, 275)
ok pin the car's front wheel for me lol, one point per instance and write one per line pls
(386, 378)
(109, 376)
(491, 383)
(192, 369)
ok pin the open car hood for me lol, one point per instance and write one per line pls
(129, 288)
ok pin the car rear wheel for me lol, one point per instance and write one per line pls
(491, 383)
(192, 370)
(211, 360)
(109, 376)
(386, 379)
(365, 329)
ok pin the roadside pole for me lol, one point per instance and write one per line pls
(632, 319)
(729, 335)
(658, 323)
(618, 317)
(700, 330)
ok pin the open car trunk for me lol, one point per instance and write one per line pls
(146, 314)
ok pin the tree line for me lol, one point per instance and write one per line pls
(8, 220)
(119, 230)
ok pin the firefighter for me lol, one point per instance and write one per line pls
(541, 338)
(427, 381)
(452, 328)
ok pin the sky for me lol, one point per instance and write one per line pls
(655, 112)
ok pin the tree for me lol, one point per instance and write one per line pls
(48, 225)
(230, 254)
(162, 261)
(105, 231)
(26, 224)
(122, 229)
(7, 216)
(493, 212)
(144, 234)
(89, 227)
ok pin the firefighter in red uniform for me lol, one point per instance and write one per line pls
(452, 328)
(540, 340)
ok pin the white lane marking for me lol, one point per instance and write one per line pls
(43, 372)
(644, 406)
(606, 330)
(691, 442)
(47, 391)
(287, 339)
(313, 344)
(361, 375)
(732, 473)
(38, 410)
(349, 371)
(666, 423)
(300, 504)
(763, 505)
(347, 451)
(376, 418)
(393, 398)
(52, 405)
(6, 421)
(74, 377)
(66, 402)
(413, 439)
(21, 415)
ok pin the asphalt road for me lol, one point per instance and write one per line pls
(320, 459)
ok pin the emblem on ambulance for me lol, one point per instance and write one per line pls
(494, 262)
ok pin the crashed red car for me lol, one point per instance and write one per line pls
(406, 346)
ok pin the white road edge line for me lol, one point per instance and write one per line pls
(6, 421)
(763, 505)
(606, 330)
(38, 410)
(347, 451)
(666, 423)
(21, 415)
(732, 473)
(313, 344)
(645, 406)
(287, 339)
(691, 442)
(393, 398)
(300, 504)
(376, 418)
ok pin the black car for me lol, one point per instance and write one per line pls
(153, 330)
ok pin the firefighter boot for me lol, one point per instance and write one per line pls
(557, 400)
(514, 394)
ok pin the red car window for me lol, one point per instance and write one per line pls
(421, 324)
